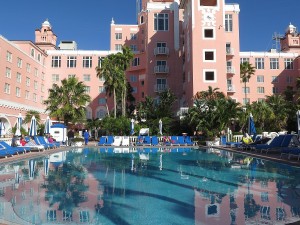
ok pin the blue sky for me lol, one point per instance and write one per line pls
(88, 22)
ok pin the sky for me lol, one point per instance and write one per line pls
(88, 21)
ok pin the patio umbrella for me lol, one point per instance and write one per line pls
(132, 127)
(17, 176)
(33, 128)
(160, 127)
(2, 128)
(298, 121)
(31, 165)
(19, 125)
(251, 126)
(48, 124)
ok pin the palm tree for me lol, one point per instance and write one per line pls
(68, 101)
(246, 70)
(279, 106)
(30, 114)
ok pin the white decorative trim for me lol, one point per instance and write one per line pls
(19, 106)
(80, 52)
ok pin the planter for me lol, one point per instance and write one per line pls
(212, 143)
(78, 143)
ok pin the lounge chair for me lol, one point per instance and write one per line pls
(147, 140)
(109, 141)
(140, 140)
(13, 150)
(273, 143)
(125, 141)
(180, 140)
(189, 141)
(117, 141)
(102, 141)
(4, 153)
(285, 143)
(154, 141)
(39, 140)
(173, 141)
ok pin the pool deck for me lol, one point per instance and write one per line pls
(270, 156)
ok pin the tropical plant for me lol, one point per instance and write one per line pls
(246, 72)
(30, 114)
(67, 102)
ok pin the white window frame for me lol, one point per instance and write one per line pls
(86, 77)
(260, 78)
(260, 90)
(56, 61)
(28, 68)
(87, 61)
(8, 56)
(27, 81)
(228, 23)
(19, 62)
(161, 18)
(215, 76)
(7, 88)
(18, 92)
(259, 63)
(71, 61)
(8, 72)
(274, 63)
(19, 77)
(214, 55)
(208, 38)
(288, 63)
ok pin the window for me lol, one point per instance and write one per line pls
(19, 63)
(56, 61)
(118, 36)
(242, 60)
(288, 64)
(102, 101)
(43, 76)
(136, 62)
(261, 99)
(27, 81)
(27, 95)
(71, 61)
(8, 56)
(246, 90)
(260, 78)
(87, 89)
(39, 57)
(87, 62)
(208, 33)
(246, 101)
(274, 79)
(264, 196)
(161, 84)
(35, 84)
(42, 99)
(275, 90)
(19, 78)
(42, 88)
(274, 64)
(161, 22)
(228, 23)
(100, 59)
(209, 56)
(32, 53)
(289, 79)
(67, 216)
(133, 36)
(18, 92)
(55, 78)
(260, 90)
(101, 79)
(86, 77)
(8, 72)
(71, 75)
(118, 47)
(209, 75)
(133, 78)
(36, 72)
(259, 63)
(134, 90)
(7, 88)
(28, 69)
(102, 90)
(133, 48)
(208, 3)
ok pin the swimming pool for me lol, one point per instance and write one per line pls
(148, 186)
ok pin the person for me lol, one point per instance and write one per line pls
(50, 139)
(86, 136)
(15, 141)
(246, 139)
(70, 137)
(23, 141)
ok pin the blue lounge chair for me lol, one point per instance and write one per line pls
(102, 141)
(274, 143)
(189, 141)
(147, 140)
(109, 141)
(154, 141)
(140, 140)
(181, 141)
(40, 140)
(13, 150)
(285, 143)
(4, 153)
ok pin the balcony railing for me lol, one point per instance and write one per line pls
(161, 69)
(161, 51)
(230, 88)
(182, 111)
(229, 51)
(160, 87)
(230, 69)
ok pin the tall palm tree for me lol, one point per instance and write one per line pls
(246, 71)
(29, 115)
(68, 101)
(210, 94)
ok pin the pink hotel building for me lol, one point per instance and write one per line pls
(184, 45)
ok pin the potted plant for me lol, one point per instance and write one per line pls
(78, 141)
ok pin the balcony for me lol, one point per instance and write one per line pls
(229, 51)
(160, 87)
(230, 70)
(161, 69)
(182, 111)
(161, 51)
(230, 88)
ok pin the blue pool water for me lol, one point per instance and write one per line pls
(148, 186)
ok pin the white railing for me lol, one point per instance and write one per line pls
(161, 51)
(161, 69)
(160, 87)
(230, 88)
(230, 69)
(229, 51)
(182, 111)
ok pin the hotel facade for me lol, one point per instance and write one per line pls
(185, 46)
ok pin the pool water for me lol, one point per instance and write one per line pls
(149, 186)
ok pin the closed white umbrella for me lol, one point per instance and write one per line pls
(160, 127)
(48, 124)
(132, 127)
(19, 125)
(33, 128)
(31, 168)
(2, 128)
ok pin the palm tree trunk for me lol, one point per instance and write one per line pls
(115, 103)
(245, 93)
